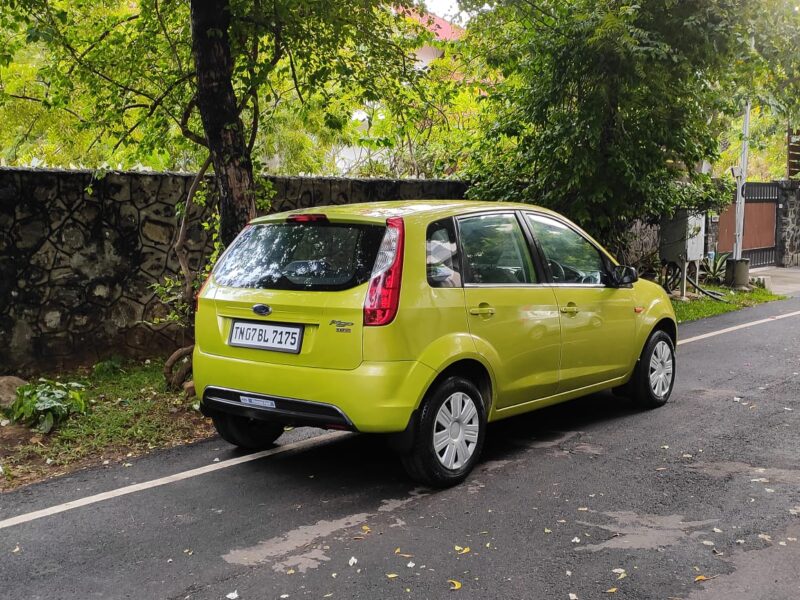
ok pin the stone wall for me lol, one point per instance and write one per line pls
(788, 229)
(79, 255)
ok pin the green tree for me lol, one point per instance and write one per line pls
(159, 77)
(605, 109)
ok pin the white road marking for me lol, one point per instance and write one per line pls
(310, 442)
(146, 485)
(704, 336)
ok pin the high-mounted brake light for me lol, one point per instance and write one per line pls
(383, 293)
(307, 218)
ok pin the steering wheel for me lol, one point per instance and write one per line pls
(557, 270)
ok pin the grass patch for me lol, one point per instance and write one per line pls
(703, 306)
(130, 412)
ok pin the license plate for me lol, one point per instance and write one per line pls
(266, 336)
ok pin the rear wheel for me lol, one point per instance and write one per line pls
(449, 439)
(249, 434)
(654, 377)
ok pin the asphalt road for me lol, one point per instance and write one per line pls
(580, 499)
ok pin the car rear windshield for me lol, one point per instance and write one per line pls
(301, 256)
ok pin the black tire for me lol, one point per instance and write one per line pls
(639, 387)
(423, 463)
(249, 434)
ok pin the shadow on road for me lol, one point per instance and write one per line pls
(366, 462)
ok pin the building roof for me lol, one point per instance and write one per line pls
(444, 30)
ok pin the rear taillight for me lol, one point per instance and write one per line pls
(200, 293)
(383, 294)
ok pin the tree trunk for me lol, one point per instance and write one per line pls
(219, 112)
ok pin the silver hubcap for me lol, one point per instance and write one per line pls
(661, 369)
(455, 433)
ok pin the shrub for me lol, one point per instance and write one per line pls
(47, 403)
(110, 366)
(713, 269)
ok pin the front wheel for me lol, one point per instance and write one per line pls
(249, 434)
(449, 438)
(654, 377)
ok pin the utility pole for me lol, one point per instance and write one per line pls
(737, 269)
(741, 179)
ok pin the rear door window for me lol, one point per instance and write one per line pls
(301, 256)
(495, 250)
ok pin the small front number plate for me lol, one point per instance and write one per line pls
(282, 338)
(262, 402)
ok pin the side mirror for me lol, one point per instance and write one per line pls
(622, 275)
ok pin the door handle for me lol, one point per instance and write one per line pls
(569, 309)
(481, 310)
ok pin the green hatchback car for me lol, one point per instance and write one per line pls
(422, 319)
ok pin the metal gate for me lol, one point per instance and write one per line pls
(760, 222)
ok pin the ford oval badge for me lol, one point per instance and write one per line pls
(262, 309)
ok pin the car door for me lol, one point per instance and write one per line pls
(512, 316)
(597, 320)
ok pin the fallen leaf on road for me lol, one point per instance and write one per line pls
(576, 540)
(583, 509)
(765, 537)
(700, 578)
(454, 585)
(365, 528)
(618, 571)
(290, 572)
(546, 530)
(622, 576)
(611, 591)
(717, 530)
(16, 549)
(392, 575)
(233, 595)
(410, 565)
(353, 560)
(460, 550)
(573, 597)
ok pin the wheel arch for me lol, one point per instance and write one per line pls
(472, 370)
(668, 326)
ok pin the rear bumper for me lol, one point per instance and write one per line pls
(281, 410)
(377, 397)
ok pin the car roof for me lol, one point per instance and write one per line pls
(409, 209)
